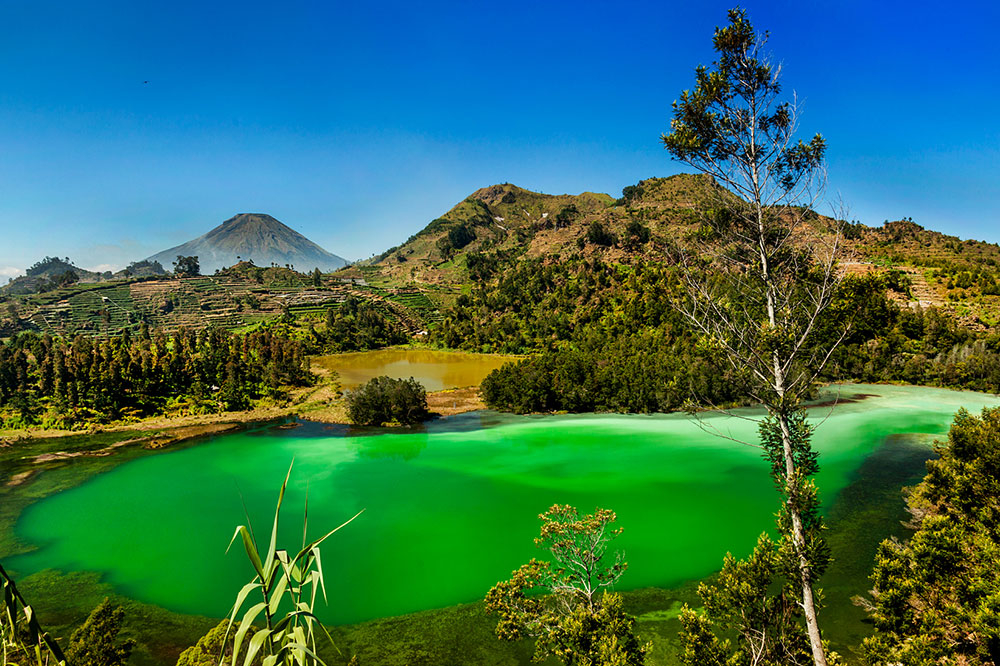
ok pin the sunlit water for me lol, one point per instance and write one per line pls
(436, 370)
(452, 509)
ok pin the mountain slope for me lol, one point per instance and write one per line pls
(496, 228)
(253, 237)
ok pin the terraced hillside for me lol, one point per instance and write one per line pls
(232, 299)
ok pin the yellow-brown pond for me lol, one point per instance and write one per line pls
(436, 370)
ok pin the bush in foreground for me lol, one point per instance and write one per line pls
(384, 400)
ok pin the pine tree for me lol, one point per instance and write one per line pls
(96, 642)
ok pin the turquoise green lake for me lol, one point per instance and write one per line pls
(452, 508)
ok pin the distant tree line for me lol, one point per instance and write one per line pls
(55, 382)
(357, 325)
(604, 337)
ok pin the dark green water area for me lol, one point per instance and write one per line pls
(451, 508)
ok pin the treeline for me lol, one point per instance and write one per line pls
(608, 338)
(54, 382)
(604, 337)
(923, 347)
(645, 372)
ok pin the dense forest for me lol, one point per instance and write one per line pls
(607, 337)
(356, 325)
(61, 383)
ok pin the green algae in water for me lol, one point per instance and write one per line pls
(451, 509)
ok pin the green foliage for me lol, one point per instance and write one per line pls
(936, 598)
(536, 305)
(636, 234)
(23, 642)
(630, 194)
(566, 216)
(386, 400)
(571, 623)
(216, 647)
(640, 373)
(187, 266)
(460, 236)
(751, 615)
(96, 642)
(752, 611)
(358, 325)
(611, 341)
(710, 127)
(604, 636)
(288, 586)
(598, 234)
(50, 265)
(457, 237)
(63, 383)
(66, 279)
(145, 267)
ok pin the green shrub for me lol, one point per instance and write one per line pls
(384, 400)
(96, 642)
(598, 234)
(211, 646)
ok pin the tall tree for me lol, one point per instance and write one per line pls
(761, 273)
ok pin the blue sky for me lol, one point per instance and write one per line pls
(357, 123)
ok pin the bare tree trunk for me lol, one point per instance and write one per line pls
(791, 478)
(799, 541)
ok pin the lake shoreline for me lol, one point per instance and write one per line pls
(655, 606)
(165, 431)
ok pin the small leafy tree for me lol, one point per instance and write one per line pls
(579, 621)
(636, 234)
(752, 602)
(385, 399)
(187, 266)
(95, 642)
(282, 581)
(631, 193)
(598, 234)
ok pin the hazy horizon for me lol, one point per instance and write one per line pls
(130, 129)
